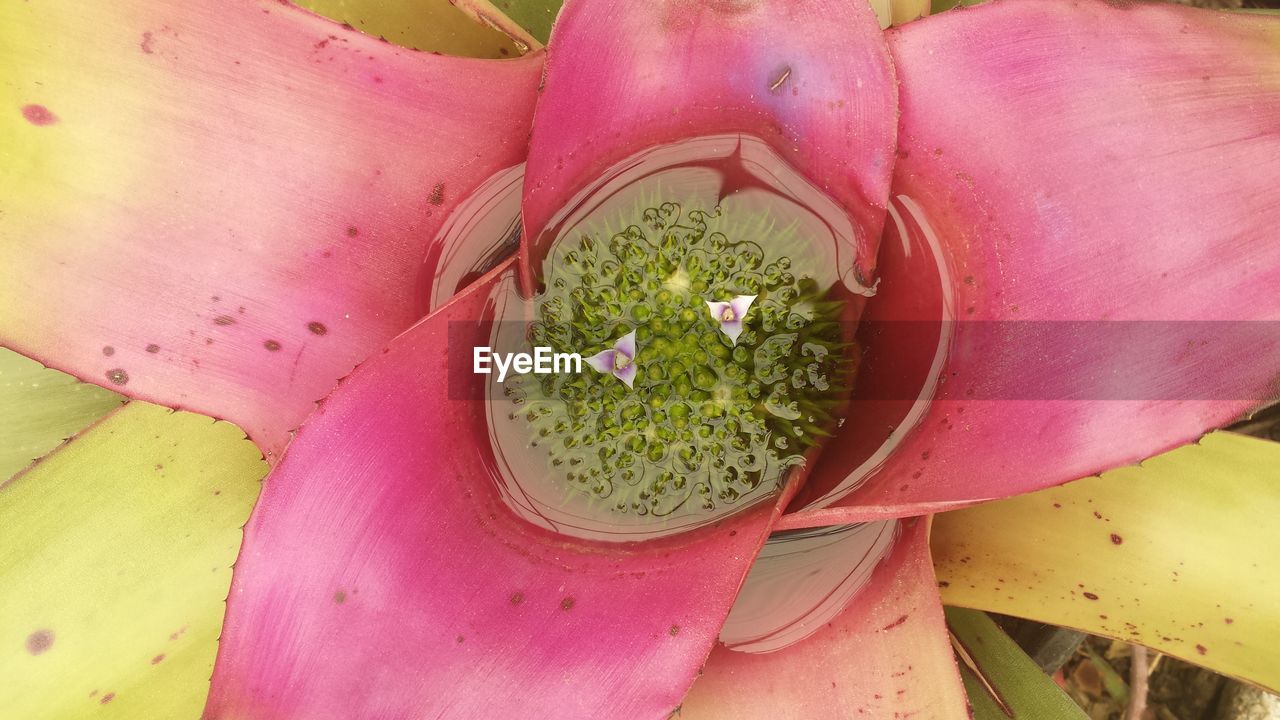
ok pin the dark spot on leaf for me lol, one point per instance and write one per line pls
(39, 641)
(317, 328)
(108, 351)
(353, 231)
(146, 43)
(1116, 539)
(118, 376)
(157, 659)
(38, 115)
(674, 630)
(779, 78)
(107, 698)
(1228, 620)
(517, 598)
(566, 604)
(437, 194)
(461, 639)
(895, 623)
(1202, 649)
(271, 345)
(224, 320)
(1091, 596)
(153, 348)
(339, 597)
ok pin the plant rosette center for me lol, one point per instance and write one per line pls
(716, 363)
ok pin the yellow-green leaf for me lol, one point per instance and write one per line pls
(1002, 682)
(41, 408)
(117, 554)
(434, 25)
(535, 16)
(1179, 554)
(899, 12)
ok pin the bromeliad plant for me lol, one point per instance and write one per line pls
(226, 208)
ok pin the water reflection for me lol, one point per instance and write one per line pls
(801, 581)
(905, 337)
(479, 234)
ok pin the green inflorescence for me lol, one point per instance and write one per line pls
(707, 422)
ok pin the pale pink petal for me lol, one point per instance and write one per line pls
(627, 346)
(602, 361)
(731, 328)
(626, 374)
(741, 304)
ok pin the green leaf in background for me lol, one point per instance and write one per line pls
(938, 6)
(41, 408)
(1007, 683)
(117, 554)
(1178, 554)
(433, 25)
(535, 16)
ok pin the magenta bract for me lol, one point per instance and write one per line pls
(1103, 200)
(382, 576)
(814, 80)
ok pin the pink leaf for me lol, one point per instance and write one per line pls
(886, 656)
(814, 80)
(383, 576)
(234, 205)
(1100, 182)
